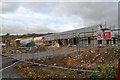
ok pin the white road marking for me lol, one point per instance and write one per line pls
(9, 66)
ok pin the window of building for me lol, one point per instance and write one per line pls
(114, 41)
(89, 42)
(74, 41)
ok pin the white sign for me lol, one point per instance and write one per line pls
(99, 35)
(106, 35)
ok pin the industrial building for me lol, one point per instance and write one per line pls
(86, 36)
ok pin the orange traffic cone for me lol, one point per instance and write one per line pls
(118, 71)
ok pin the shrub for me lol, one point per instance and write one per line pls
(107, 71)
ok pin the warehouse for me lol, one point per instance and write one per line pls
(86, 36)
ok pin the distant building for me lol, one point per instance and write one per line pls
(25, 41)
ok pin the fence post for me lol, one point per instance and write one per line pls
(21, 56)
(77, 42)
(119, 41)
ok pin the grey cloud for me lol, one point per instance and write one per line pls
(19, 29)
(40, 29)
(60, 0)
(8, 7)
(12, 29)
(91, 12)
(43, 7)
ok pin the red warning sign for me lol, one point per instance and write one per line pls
(107, 35)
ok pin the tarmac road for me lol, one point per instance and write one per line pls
(12, 73)
(7, 70)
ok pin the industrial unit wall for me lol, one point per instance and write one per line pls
(70, 34)
(92, 42)
(85, 36)
(88, 41)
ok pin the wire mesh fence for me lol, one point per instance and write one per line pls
(70, 44)
(81, 52)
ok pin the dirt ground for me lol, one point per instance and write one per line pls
(45, 73)
(89, 57)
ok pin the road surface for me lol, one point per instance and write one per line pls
(12, 73)
(9, 72)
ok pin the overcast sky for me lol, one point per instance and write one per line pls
(44, 17)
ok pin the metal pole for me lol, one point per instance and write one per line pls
(119, 27)
(63, 39)
(21, 56)
(16, 55)
(33, 53)
(93, 36)
(119, 40)
(32, 45)
(67, 40)
(73, 39)
(79, 43)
